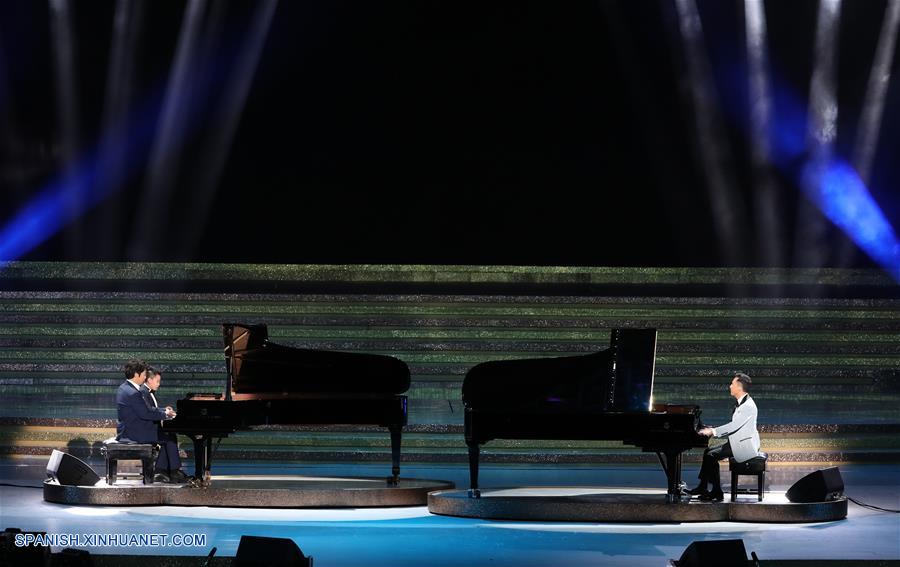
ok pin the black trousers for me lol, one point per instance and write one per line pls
(709, 470)
(168, 459)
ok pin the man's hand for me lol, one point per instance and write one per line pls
(170, 413)
(706, 431)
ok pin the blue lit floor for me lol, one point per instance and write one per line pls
(412, 536)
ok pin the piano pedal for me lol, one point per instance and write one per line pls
(474, 493)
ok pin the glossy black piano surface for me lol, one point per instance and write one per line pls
(270, 384)
(605, 395)
(256, 365)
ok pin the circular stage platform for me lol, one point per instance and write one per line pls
(576, 504)
(254, 492)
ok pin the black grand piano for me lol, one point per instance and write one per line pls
(270, 384)
(601, 396)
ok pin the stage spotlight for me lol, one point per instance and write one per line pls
(70, 471)
(819, 486)
(724, 552)
(876, 94)
(873, 109)
(256, 551)
(765, 187)
(120, 86)
(66, 71)
(226, 118)
(709, 128)
(168, 146)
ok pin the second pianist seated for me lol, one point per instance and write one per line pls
(270, 384)
(601, 396)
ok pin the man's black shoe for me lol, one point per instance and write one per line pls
(161, 477)
(178, 477)
(698, 491)
(714, 496)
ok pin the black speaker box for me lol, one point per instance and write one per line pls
(254, 551)
(820, 486)
(714, 553)
(70, 557)
(70, 471)
(25, 556)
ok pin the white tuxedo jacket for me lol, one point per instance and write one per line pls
(741, 431)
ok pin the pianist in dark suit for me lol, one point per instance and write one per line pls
(742, 444)
(138, 422)
(168, 465)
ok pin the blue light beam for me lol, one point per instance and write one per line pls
(47, 213)
(832, 184)
(841, 195)
(52, 209)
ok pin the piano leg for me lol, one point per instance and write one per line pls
(202, 458)
(673, 473)
(473, 471)
(207, 468)
(396, 432)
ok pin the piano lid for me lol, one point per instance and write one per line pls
(619, 378)
(257, 366)
(634, 367)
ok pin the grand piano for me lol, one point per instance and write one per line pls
(606, 395)
(270, 384)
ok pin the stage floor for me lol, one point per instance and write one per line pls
(411, 536)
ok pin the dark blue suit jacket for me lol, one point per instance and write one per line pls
(137, 421)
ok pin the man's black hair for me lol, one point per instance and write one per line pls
(133, 367)
(744, 380)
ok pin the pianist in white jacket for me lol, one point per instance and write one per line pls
(742, 444)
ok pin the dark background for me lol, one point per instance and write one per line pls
(546, 133)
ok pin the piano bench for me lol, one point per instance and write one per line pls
(752, 467)
(114, 451)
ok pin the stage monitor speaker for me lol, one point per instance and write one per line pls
(714, 553)
(820, 486)
(70, 471)
(70, 557)
(254, 551)
(22, 556)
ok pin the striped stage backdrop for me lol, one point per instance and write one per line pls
(823, 347)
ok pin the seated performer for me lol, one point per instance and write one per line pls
(168, 465)
(138, 422)
(742, 444)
